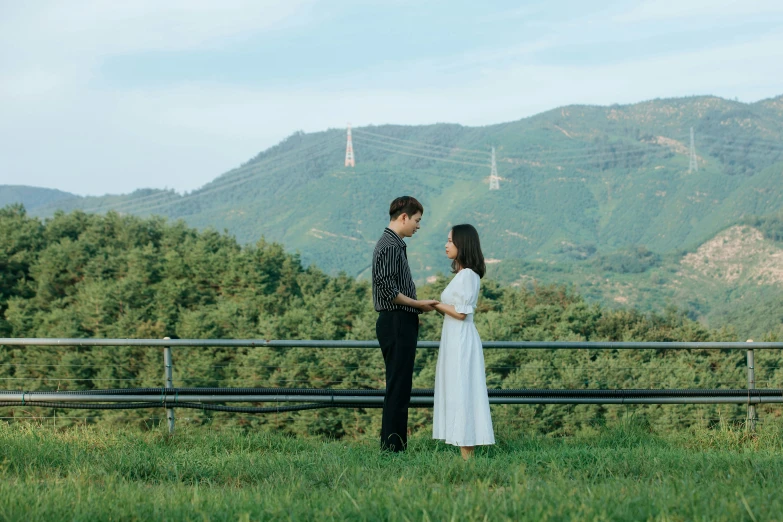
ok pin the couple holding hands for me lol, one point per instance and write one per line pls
(461, 414)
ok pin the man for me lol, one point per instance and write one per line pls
(397, 328)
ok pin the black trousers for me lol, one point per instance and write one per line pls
(397, 333)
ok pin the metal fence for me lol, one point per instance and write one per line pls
(170, 397)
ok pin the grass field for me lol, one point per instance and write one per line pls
(620, 473)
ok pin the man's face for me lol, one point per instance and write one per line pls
(410, 224)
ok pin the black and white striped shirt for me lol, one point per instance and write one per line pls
(391, 274)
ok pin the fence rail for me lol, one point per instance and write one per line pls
(508, 345)
(213, 399)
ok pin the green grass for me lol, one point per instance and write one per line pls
(621, 473)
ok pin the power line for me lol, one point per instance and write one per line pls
(419, 143)
(596, 155)
(372, 146)
(413, 148)
(247, 171)
(553, 156)
(617, 148)
(739, 148)
(727, 142)
(436, 174)
(276, 158)
(744, 147)
(250, 168)
(129, 205)
(558, 154)
(749, 139)
(422, 150)
(231, 184)
(613, 154)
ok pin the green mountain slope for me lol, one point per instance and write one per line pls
(595, 178)
(734, 279)
(578, 184)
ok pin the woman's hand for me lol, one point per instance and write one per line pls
(447, 309)
(427, 305)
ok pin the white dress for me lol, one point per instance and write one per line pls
(461, 410)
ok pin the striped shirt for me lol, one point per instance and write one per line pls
(391, 274)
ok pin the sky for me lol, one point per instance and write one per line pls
(104, 97)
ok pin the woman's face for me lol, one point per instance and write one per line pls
(451, 249)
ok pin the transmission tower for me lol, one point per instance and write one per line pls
(349, 160)
(694, 165)
(494, 179)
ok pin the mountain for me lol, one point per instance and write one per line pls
(733, 279)
(574, 180)
(32, 197)
(582, 188)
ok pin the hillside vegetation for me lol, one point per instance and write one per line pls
(87, 275)
(32, 197)
(735, 278)
(598, 197)
(577, 179)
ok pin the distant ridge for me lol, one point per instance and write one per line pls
(574, 180)
(32, 197)
(597, 198)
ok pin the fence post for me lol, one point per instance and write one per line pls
(751, 424)
(167, 362)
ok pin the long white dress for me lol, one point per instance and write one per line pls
(461, 410)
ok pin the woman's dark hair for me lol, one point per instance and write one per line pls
(469, 255)
(404, 205)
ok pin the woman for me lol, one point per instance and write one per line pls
(461, 410)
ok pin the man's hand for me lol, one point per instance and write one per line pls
(427, 305)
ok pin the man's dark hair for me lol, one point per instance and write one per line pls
(404, 205)
(469, 255)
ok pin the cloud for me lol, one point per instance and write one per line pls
(62, 43)
(183, 136)
(58, 129)
(107, 27)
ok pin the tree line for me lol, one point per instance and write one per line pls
(114, 276)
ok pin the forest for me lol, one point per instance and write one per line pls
(111, 276)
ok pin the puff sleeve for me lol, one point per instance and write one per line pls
(466, 291)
